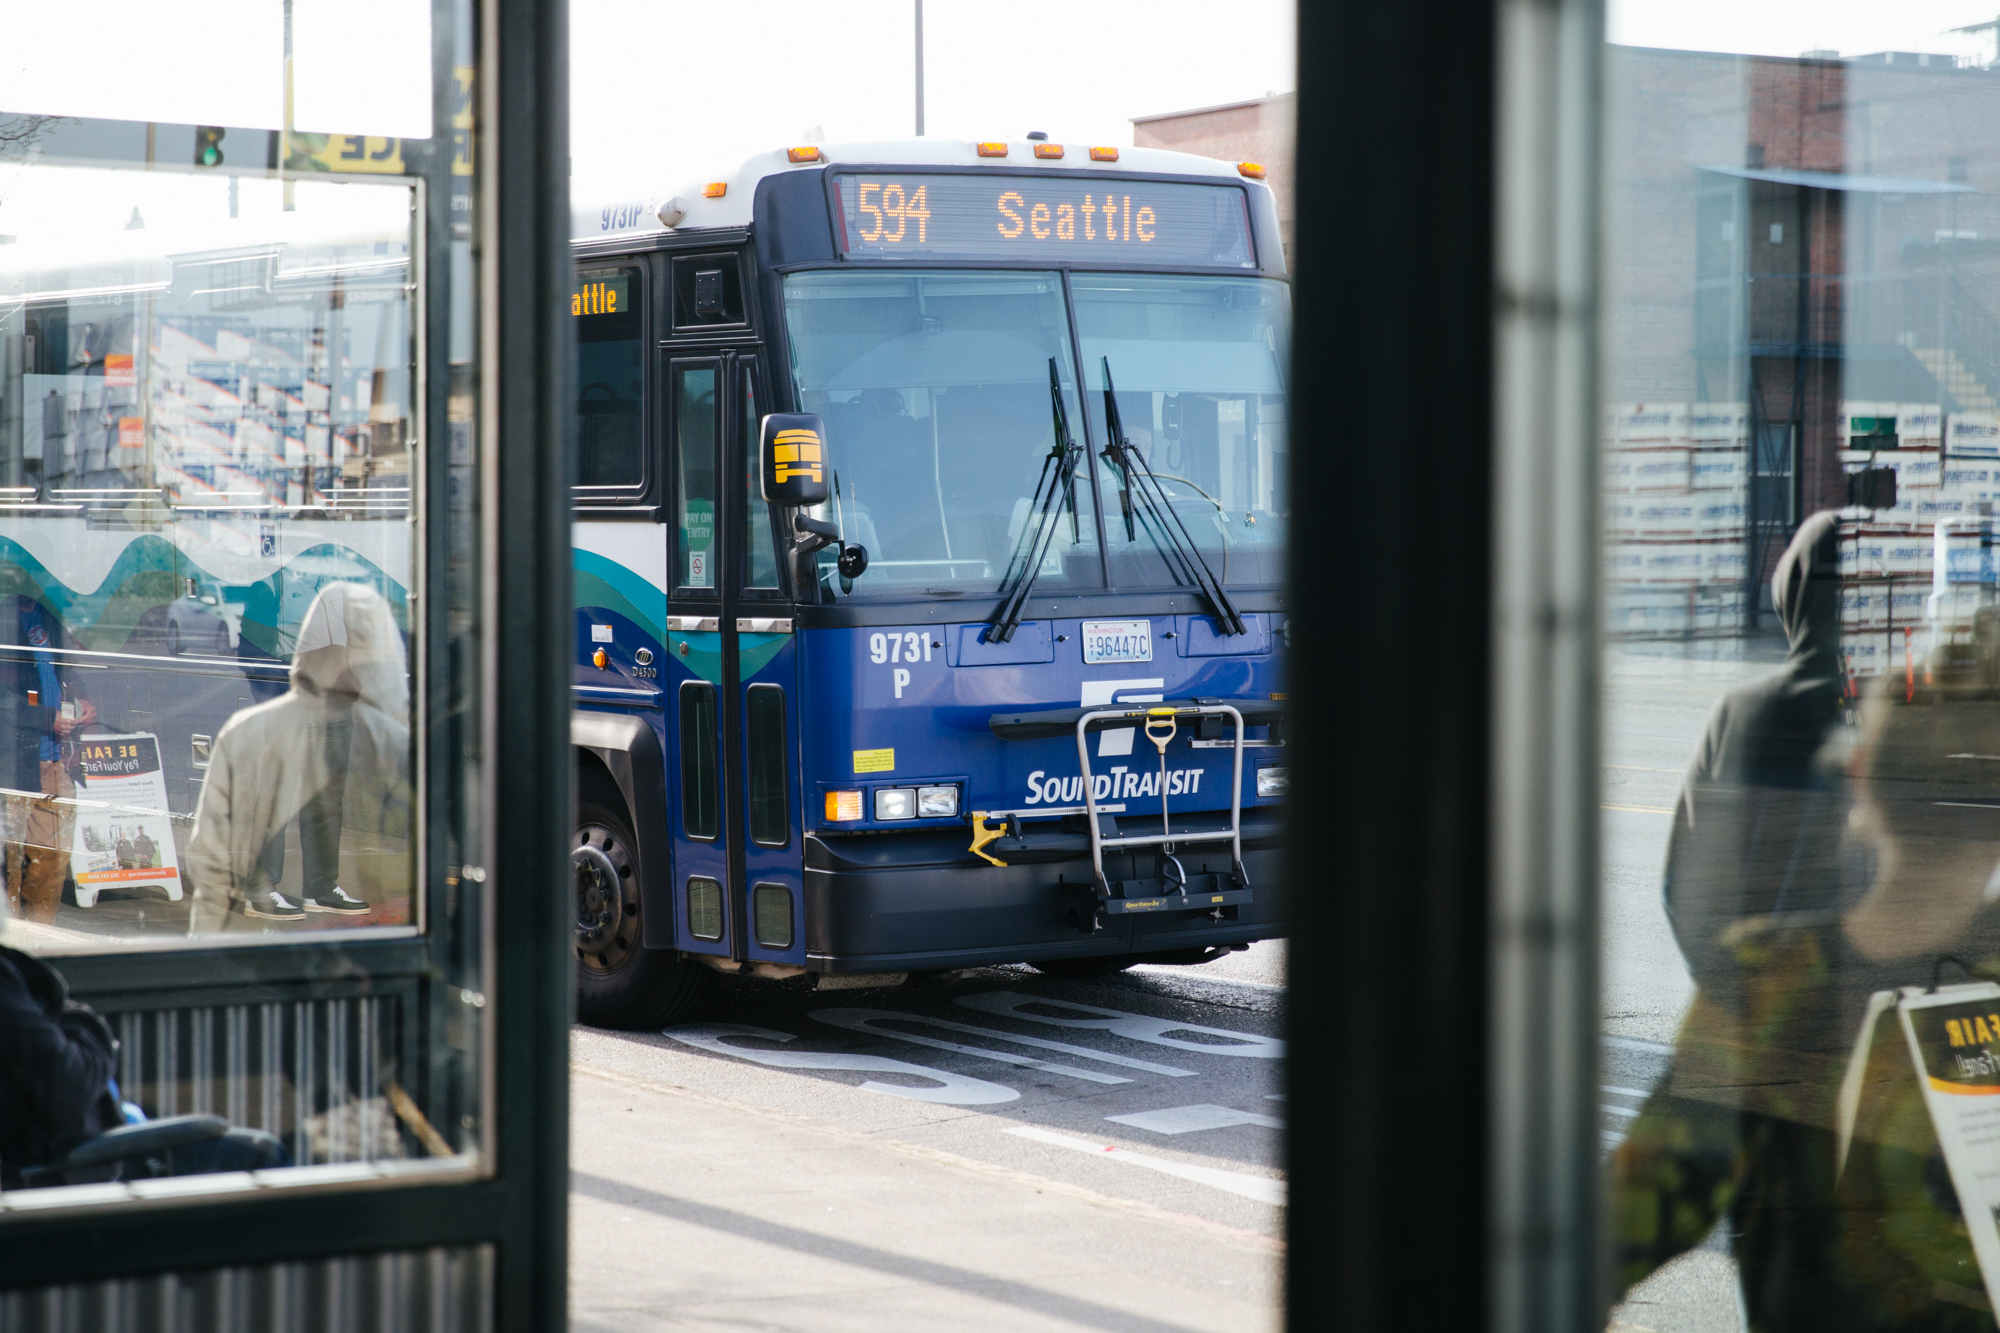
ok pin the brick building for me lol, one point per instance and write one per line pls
(1256, 131)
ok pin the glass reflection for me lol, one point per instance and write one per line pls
(1801, 1101)
(223, 354)
(206, 425)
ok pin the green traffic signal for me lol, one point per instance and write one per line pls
(208, 145)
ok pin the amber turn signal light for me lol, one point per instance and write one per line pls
(842, 806)
(715, 189)
(600, 659)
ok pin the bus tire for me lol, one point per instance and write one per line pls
(619, 982)
(1077, 969)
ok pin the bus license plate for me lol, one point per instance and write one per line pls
(1117, 641)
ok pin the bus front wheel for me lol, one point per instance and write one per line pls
(619, 982)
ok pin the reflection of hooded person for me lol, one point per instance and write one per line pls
(1841, 1212)
(331, 753)
(1758, 823)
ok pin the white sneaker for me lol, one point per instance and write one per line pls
(273, 905)
(341, 901)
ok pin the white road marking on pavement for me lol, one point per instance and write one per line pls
(1193, 1119)
(1261, 1188)
(1640, 1093)
(1176, 970)
(1039, 1043)
(865, 1020)
(957, 1089)
(1139, 1027)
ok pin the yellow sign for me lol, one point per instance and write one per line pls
(874, 761)
(353, 152)
(797, 454)
(376, 155)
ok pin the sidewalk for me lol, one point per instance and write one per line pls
(691, 1212)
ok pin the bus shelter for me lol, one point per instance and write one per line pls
(286, 772)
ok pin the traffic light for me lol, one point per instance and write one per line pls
(208, 145)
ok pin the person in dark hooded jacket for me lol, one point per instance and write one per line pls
(1758, 825)
(57, 1059)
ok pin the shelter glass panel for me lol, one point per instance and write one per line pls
(1799, 456)
(240, 625)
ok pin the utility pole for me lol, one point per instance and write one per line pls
(920, 69)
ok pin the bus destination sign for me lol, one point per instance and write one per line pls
(1042, 219)
(606, 292)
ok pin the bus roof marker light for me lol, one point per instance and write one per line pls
(1054, 150)
(1104, 154)
(1254, 170)
(992, 149)
(807, 154)
(715, 189)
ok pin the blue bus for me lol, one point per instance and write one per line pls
(930, 519)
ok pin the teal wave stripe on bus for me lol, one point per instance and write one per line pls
(603, 583)
(150, 573)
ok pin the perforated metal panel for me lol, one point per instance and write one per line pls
(315, 1072)
(412, 1291)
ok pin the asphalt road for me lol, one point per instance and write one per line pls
(1657, 701)
(1159, 1085)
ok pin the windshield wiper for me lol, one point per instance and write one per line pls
(1141, 483)
(1058, 479)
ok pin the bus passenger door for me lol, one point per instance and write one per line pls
(764, 676)
(700, 696)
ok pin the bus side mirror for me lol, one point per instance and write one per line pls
(793, 453)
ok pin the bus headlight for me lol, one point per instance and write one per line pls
(896, 803)
(1271, 783)
(842, 806)
(937, 802)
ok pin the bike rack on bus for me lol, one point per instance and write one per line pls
(1174, 890)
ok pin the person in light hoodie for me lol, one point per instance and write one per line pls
(331, 755)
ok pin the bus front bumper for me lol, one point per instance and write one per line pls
(915, 904)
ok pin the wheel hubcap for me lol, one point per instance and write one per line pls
(607, 903)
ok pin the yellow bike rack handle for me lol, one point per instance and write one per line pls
(982, 834)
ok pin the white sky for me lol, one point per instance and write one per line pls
(360, 66)
(728, 80)
(1793, 27)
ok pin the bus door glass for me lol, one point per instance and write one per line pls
(697, 684)
(765, 688)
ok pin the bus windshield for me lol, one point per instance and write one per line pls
(1198, 366)
(935, 390)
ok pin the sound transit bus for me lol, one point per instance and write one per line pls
(930, 525)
